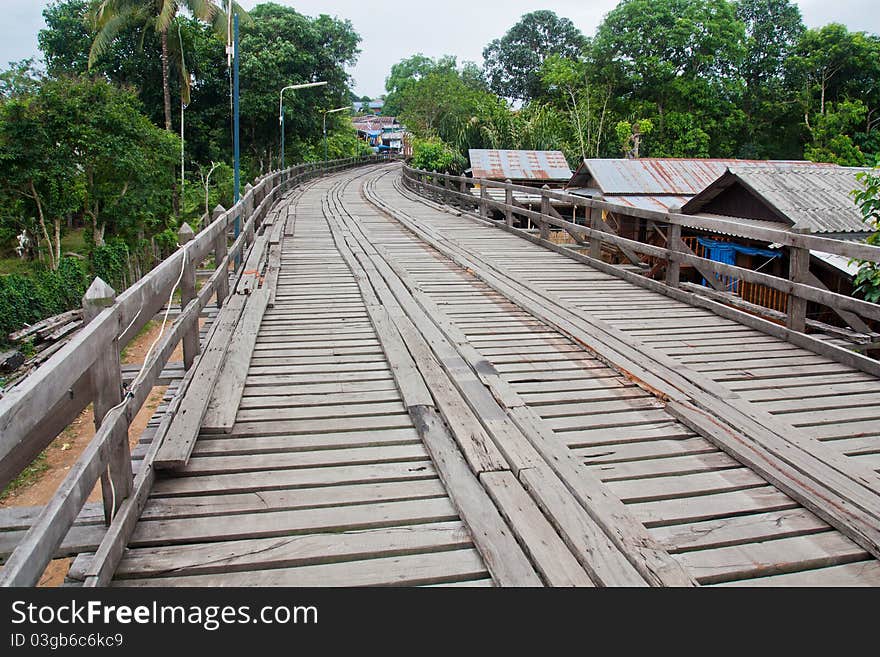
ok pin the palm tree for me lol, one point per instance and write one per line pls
(111, 17)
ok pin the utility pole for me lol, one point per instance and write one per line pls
(236, 122)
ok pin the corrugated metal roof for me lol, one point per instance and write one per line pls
(662, 176)
(838, 262)
(756, 223)
(520, 165)
(817, 198)
(660, 202)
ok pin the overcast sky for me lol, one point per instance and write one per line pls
(394, 30)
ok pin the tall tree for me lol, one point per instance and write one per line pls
(282, 47)
(841, 90)
(79, 145)
(676, 63)
(407, 73)
(112, 17)
(773, 30)
(513, 62)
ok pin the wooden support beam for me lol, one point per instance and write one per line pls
(596, 236)
(798, 272)
(106, 373)
(545, 212)
(191, 346)
(673, 267)
(854, 321)
(221, 248)
(508, 201)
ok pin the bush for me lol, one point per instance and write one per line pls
(436, 155)
(110, 263)
(30, 299)
(867, 282)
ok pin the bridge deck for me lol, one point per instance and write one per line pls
(433, 401)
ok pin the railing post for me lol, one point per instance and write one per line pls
(596, 227)
(545, 212)
(221, 248)
(673, 265)
(484, 205)
(798, 272)
(106, 374)
(508, 201)
(249, 204)
(191, 346)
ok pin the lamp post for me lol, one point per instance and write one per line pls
(292, 87)
(326, 112)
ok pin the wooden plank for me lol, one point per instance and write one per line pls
(546, 549)
(229, 388)
(177, 447)
(408, 570)
(605, 563)
(775, 557)
(293, 479)
(724, 532)
(298, 521)
(172, 508)
(706, 483)
(863, 573)
(292, 551)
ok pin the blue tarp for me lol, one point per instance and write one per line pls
(725, 252)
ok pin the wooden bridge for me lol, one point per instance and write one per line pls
(399, 389)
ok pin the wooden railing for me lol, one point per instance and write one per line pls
(87, 371)
(798, 290)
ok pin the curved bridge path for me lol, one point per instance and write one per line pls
(433, 401)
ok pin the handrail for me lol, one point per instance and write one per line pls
(800, 288)
(854, 250)
(34, 412)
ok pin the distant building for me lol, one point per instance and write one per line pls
(533, 168)
(780, 195)
(382, 133)
(806, 198)
(374, 106)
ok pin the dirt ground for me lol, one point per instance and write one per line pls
(67, 448)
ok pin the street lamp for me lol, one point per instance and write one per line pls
(326, 112)
(292, 87)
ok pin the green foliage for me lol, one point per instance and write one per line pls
(867, 281)
(30, 475)
(82, 146)
(627, 133)
(832, 135)
(281, 47)
(110, 263)
(435, 155)
(29, 299)
(774, 29)
(514, 62)
(677, 63)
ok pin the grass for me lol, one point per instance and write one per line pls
(29, 476)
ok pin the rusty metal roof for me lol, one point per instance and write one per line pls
(817, 198)
(658, 202)
(550, 166)
(666, 176)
